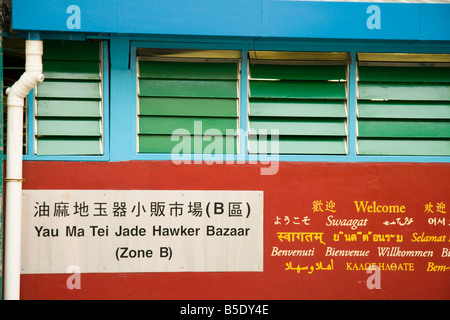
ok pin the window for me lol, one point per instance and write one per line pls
(302, 96)
(68, 104)
(403, 104)
(316, 106)
(190, 96)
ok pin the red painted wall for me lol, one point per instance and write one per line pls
(289, 193)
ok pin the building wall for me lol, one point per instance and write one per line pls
(288, 194)
(390, 205)
(294, 185)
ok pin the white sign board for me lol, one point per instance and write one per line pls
(142, 231)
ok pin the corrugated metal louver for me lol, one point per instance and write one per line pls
(304, 101)
(403, 108)
(194, 99)
(68, 114)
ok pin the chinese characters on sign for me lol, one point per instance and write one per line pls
(150, 209)
(142, 231)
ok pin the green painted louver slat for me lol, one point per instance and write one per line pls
(68, 127)
(182, 104)
(406, 147)
(68, 108)
(69, 101)
(190, 107)
(404, 91)
(187, 70)
(297, 89)
(403, 110)
(69, 146)
(188, 88)
(403, 74)
(302, 107)
(298, 145)
(297, 108)
(403, 129)
(195, 125)
(300, 127)
(73, 70)
(58, 50)
(179, 145)
(69, 89)
(297, 72)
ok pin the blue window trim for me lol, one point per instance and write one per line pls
(243, 115)
(257, 19)
(351, 108)
(120, 99)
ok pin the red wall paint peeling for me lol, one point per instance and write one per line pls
(289, 193)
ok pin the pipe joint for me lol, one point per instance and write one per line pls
(33, 74)
(22, 87)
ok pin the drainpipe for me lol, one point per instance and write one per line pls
(2, 18)
(14, 152)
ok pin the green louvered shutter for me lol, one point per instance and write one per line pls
(404, 109)
(190, 100)
(305, 103)
(68, 116)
